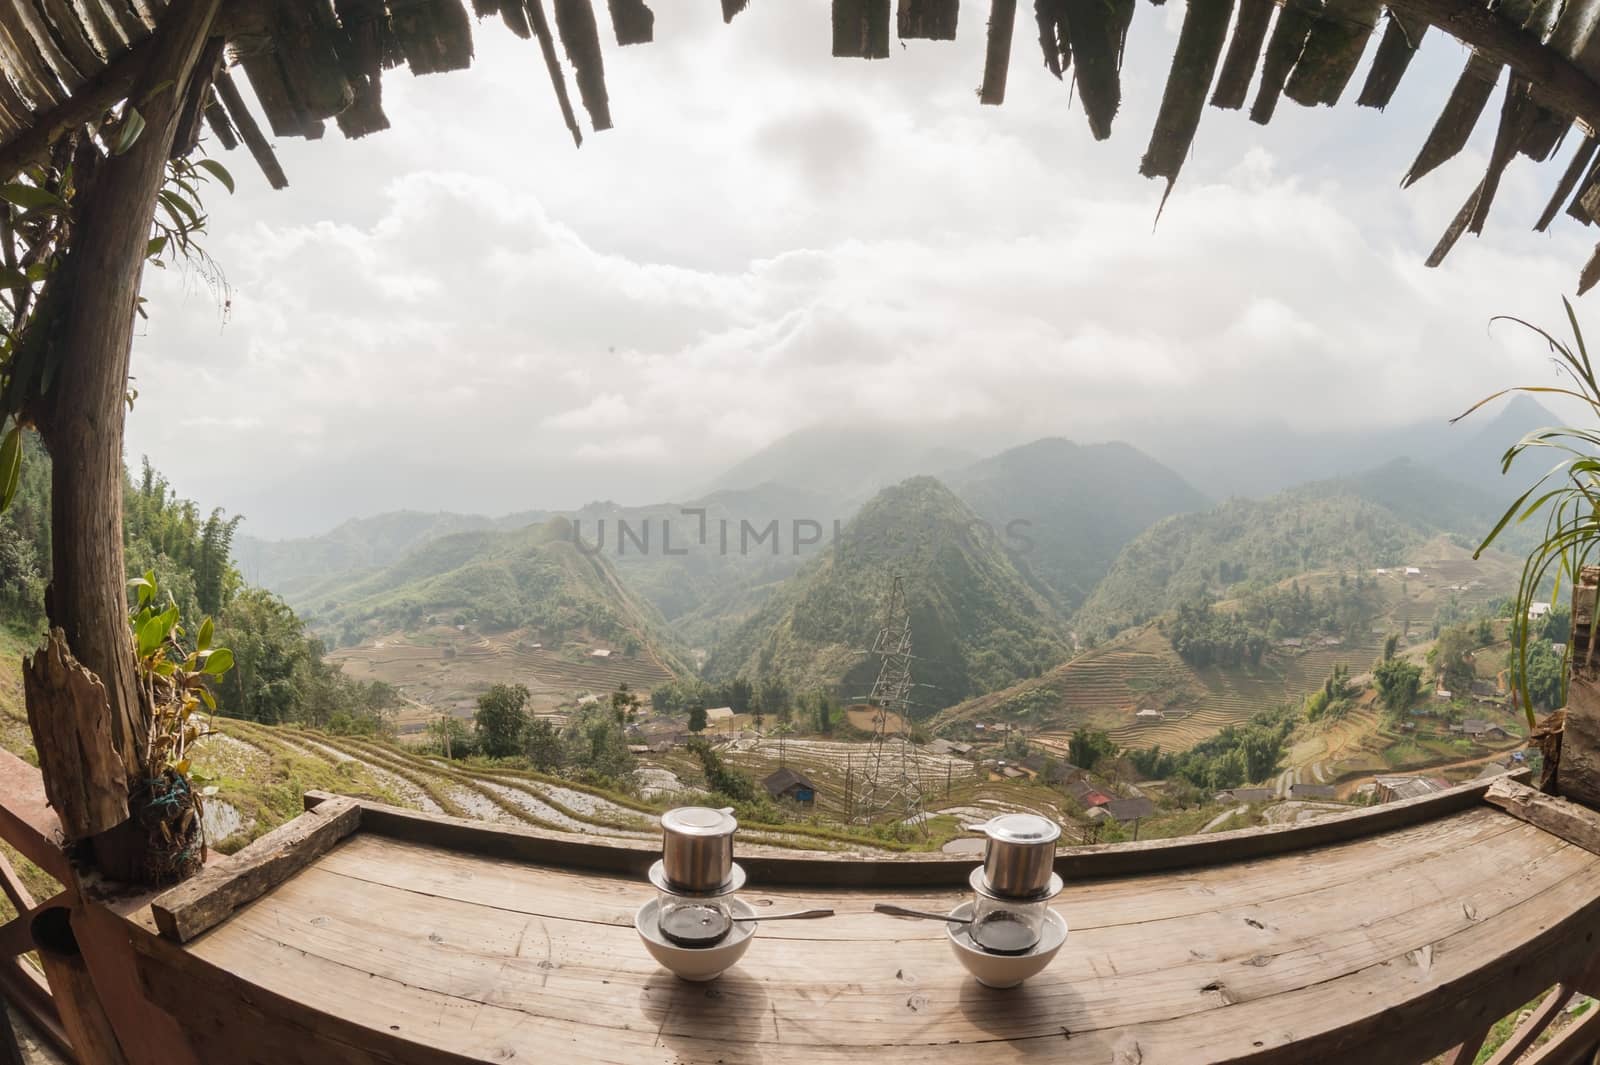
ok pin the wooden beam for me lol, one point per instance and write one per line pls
(26, 820)
(1573, 1045)
(1526, 1032)
(1244, 52)
(997, 51)
(552, 65)
(208, 898)
(93, 1038)
(731, 8)
(631, 20)
(1055, 37)
(1576, 824)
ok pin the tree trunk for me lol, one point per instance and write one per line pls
(81, 418)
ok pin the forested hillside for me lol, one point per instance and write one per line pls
(1077, 506)
(1193, 556)
(977, 621)
(536, 579)
(279, 673)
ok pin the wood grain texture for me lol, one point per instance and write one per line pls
(70, 718)
(26, 820)
(997, 51)
(1381, 949)
(1562, 817)
(208, 898)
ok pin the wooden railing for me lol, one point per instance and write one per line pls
(26, 824)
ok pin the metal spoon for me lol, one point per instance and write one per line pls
(798, 915)
(900, 911)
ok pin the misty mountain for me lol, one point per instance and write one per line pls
(977, 621)
(1226, 459)
(1077, 505)
(294, 568)
(537, 579)
(849, 463)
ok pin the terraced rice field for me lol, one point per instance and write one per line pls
(443, 670)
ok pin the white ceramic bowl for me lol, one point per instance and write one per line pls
(696, 963)
(1005, 970)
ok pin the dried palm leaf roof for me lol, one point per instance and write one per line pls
(66, 62)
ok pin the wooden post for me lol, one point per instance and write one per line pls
(93, 1041)
(82, 424)
(1578, 772)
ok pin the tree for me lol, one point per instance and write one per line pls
(1544, 674)
(542, 744)
(697, 719)
(1452, 658)
(625, 703)
(774, 698)
(1089, 746)
(451, 735)
(1399, 682)
(501, 720)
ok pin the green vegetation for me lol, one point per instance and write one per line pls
(1239, 754)
(1185, 559)
(1090, 747)
(978, 622)
(1066, 509)
(501, 721)
(1398, 681)
(537, 578)
(1204, 637)
(1334, 699)
(1572, 521)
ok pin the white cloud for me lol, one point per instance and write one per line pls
(465, 312)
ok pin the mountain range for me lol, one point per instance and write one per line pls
(1008, 559)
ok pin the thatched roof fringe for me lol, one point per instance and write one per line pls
(1244, 52)
(1576, 209)
(1194, 64)
(32, 76)
(221, 125)
(861, 29)
(1097, 30)
(103, 31)
(580, 36)
(71, 35)
(552, 66)
(1454, 124)
(1332, 51)
(187, 136)
(632, 21)
(1288, 39)
(731, 8)
(1545, 134)
(929, 20)
(482, 9)
(1401, 39)
(129, 25)
(997, 51)
(13, 112)
(515, 16)
(310, 60)
(434, 35)
(267, 80)
(1457, 226)
(1517, 115)
(249, 132)
(1055, 39)
(365, 113)
(1590, 273)
(31, 28)
(1576, 169)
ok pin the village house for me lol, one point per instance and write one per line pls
(1049, 771)
(1246, 795)
(791, 784)
(719, 715)
(1087, 793)
(1134, 809)
(1149, 716)
(1395, 788)
(600, 652)
(1312, 791)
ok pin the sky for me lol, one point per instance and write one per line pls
(465, 312)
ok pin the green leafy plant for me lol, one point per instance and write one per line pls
(1567, 495)
(174, 681)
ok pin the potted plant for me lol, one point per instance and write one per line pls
(1567, 496)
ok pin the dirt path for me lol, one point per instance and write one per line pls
(1243, 808)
